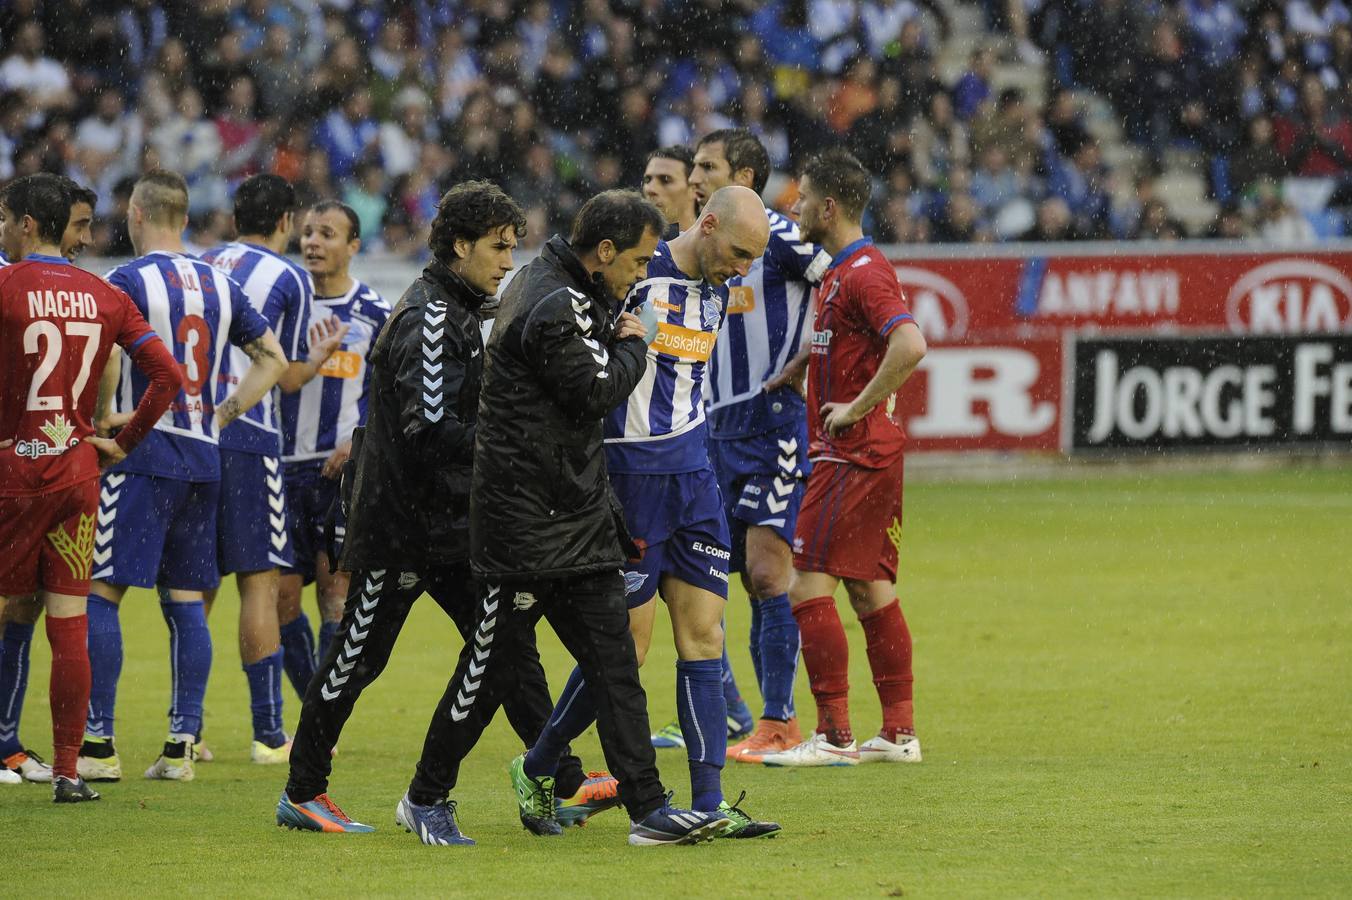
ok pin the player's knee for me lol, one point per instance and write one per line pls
(699, 640)
(766, 578)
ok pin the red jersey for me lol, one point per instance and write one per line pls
(58, 324)
(859, 303)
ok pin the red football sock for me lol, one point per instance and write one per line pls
(889, 656)
(69, 691)
(826, 653)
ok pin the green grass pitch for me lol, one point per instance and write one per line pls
(1125, 685)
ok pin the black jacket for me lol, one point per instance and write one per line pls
(409, 491)
(541, 505)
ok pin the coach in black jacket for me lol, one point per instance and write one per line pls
(408, 513)
(547, 537)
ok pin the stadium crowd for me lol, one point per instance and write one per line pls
(385, 104)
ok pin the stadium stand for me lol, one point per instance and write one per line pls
(994, 120)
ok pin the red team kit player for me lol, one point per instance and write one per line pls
(58, 325)
(865, 344)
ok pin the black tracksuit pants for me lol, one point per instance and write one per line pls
(378, 602)
(589, 615)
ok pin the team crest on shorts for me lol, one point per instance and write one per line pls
(407, 580)
(633, 581)
(523, 600)
(76, 550)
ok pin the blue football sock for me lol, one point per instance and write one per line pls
(189, 663)
(105, 665)
(298, 653)
(779, 644)
(265, 699)
(756, 645)
(327, 632)
(574, 712)
(13, 684)
(704, 723)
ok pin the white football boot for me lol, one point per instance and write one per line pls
(880, 749)
(815, 751)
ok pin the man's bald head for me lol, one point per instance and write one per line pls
(733, 231)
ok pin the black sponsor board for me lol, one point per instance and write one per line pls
(1204, 392)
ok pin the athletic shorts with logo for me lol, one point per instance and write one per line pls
(47, 542)
(251, 518)
(678, 522)
(310, 498)
(762, 479)
(850, 522)
(156, 531)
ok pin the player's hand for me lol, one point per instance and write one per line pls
(629, 325)
(326, 336)
(836, 417)
(8, 443)
(793, 375)
(110, 452)
(333, 466)
(112, 420)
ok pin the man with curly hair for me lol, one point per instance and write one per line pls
(406, 495)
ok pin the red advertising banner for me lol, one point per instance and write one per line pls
(1006, 298)
(985, 397)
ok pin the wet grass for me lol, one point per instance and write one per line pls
(1125, 686)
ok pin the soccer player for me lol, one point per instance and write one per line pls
(865, 344)
(252, 494)
(407, 530)
(58, 325)
(666, 185)
(18, 620)
(157, 508)
(658, 460)
(317, 426)
(758, 430)
(545, 534)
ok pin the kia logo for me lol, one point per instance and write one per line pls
(1290, 296)
(939, 307)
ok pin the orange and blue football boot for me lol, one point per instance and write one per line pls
(600, 792)
(319, 814)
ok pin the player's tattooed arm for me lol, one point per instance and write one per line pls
(267, 365)
(326, 336)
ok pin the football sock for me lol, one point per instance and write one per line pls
(778, 654)
(826, 653)
(13, 684)
(69, 689)
(756, 625)
(298, 653)
(105, 664)
(327, 631)
(265, 699)
(889, 656)
(189, 663)
(572, 715)
(703, 714)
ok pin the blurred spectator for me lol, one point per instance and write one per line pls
(1216, 28)
(960, 223)
(1257, 158)
(401, 140)
(1318, 141)
(856, 96)
(42, 80)
(939, 142)
(366, 195)
(108, 143)
(348, 134)
(1277, 221)
(1229, 225)
(974, 87)
(144, 28)
(1081, 183)
(1053, 222)
(241, 133)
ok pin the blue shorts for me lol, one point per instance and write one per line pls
(762, 478)
(309, 497)
(678, 522)
(251, 519)
(156, 531)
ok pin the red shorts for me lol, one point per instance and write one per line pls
(47, 542)
(849, 525)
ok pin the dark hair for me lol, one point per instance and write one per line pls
(678, 152)
(43, 198)
(78, 192)
(163, 196)
(621, 217)
(742, 150)
(353, 222)
(469, 211)
(837, 174)
(261, 201)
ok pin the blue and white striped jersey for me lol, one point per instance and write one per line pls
(4, 260)
(768, 313)
(660, 428)
(282, 293)
(322, 415)
(197, 311)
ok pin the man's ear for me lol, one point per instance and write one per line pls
(462, 247)
(745, 176)
(605, 251)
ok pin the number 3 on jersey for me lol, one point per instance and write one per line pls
(44, 337)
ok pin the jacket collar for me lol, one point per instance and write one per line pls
(561, 255)
(441, 275)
